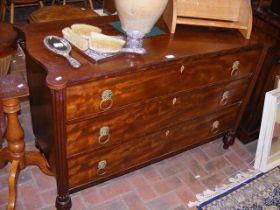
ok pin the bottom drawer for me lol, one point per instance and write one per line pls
(96, 165)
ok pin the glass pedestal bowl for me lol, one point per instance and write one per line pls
(138, 17)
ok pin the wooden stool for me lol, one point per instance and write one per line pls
(8, 46)
(17, 3)
(12, 88)
(56, 13)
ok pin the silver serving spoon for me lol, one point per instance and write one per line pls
(61, 47)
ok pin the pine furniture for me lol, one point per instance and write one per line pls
(108, 118)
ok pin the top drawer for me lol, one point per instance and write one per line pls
(166, 78)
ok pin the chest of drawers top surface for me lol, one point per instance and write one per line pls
(187, 44)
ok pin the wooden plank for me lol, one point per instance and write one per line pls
(210, 9)
(214, 23)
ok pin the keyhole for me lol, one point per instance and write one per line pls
(182, 69)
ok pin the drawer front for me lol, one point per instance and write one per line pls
(112, 93)
(136, 121)
(96, 165)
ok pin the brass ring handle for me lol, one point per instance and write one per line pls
(104, 136)
(235, 68)
(106, 100)
(215, 127)
(101, 167)
(225, 97)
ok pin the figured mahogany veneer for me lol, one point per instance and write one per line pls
(164, 79)
(84, 168)
(111, 117)
(151, 116)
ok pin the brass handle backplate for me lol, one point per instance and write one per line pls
(101, 167)
(104, 135)
(215, 127)
(225, 97)
(235, 68)
(106, 100)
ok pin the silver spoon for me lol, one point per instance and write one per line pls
(61, 47)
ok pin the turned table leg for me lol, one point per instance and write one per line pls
(16, 147)
(15, 150)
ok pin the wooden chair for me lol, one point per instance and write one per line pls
(17, 3)
(59, 12)
(88, 3)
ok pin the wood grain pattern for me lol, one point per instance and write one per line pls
(58, 13)
(142, 119)
(85, 99)
(160, 106)
(83, 169)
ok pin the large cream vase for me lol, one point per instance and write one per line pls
(139, 15)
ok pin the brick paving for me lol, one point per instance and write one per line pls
(167, 185)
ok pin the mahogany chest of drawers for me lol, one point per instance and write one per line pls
(111, 117)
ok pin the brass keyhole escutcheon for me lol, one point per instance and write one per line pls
(101, 167)
(182, 69)
(215, 127)
(106, 100)
(167, 132)
(174, 101)
(235, 68)
(225, 98)
(104, 135)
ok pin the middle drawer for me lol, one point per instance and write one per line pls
(135, 121)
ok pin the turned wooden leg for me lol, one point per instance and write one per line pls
(63, 202)
(14, 132)
(228, 139)
(15, 149)
(13, 176)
